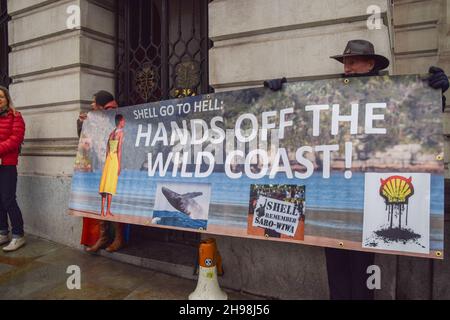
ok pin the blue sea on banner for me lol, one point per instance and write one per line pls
(136, 191)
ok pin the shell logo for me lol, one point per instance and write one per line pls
(396, 190)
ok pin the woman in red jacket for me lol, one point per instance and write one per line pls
(12, 131)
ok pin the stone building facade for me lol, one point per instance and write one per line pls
(55, 70)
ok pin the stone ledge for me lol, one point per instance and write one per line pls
(60, 125)
(51, 21)
(415, 12)
(231, 18)
(36, 24)
(23, 7)
(34, 90)
(61, 53)
(48, 166)
(416, 40)
(151, 258)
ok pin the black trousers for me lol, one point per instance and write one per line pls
(347, 274)
(8, 203)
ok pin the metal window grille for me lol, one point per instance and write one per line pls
(162, 49)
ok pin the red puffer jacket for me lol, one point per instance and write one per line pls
(12, 131)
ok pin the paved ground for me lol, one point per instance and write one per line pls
(38, 271)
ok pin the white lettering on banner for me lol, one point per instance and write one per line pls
(326, 158)
(316, 109)
(147, 135)
(179, 134)
(370, 118)
(161, 163)
(353, 118)
(230, 157)
(286, 166)
(337, 117)
(283, 122)
(276, 215)
(256, 156)
(266, 124)
(160, 135)
(217, 130)
(207, 105)
(210, 163)
(198, 134)
(148, 113)
(254, 127)
(200, 131)
(265, 164)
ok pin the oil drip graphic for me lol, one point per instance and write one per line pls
(396, 191)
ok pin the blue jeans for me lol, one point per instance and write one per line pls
(8, 203)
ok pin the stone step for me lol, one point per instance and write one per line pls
(170, 258)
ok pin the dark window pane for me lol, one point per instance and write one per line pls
(162, 49)
(4, 48)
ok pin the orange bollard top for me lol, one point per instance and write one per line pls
(208, 253)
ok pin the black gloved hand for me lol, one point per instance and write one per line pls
(438, 79)
(275, 84)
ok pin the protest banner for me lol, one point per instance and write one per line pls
(351, 163)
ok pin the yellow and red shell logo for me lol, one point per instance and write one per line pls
(396, 189)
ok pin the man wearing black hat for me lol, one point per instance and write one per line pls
(347, 270)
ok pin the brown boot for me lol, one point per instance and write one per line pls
(118, 238)
(103, 238)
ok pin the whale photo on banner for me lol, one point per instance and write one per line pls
(324, 136)
(177, 205)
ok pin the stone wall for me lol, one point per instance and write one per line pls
(256, 40)
(55, 71)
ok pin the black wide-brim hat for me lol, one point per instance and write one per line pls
(363, 48)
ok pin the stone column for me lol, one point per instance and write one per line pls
(55, 70)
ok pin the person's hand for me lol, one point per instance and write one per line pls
(438, 79)
(83, 116)
(275, 84)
